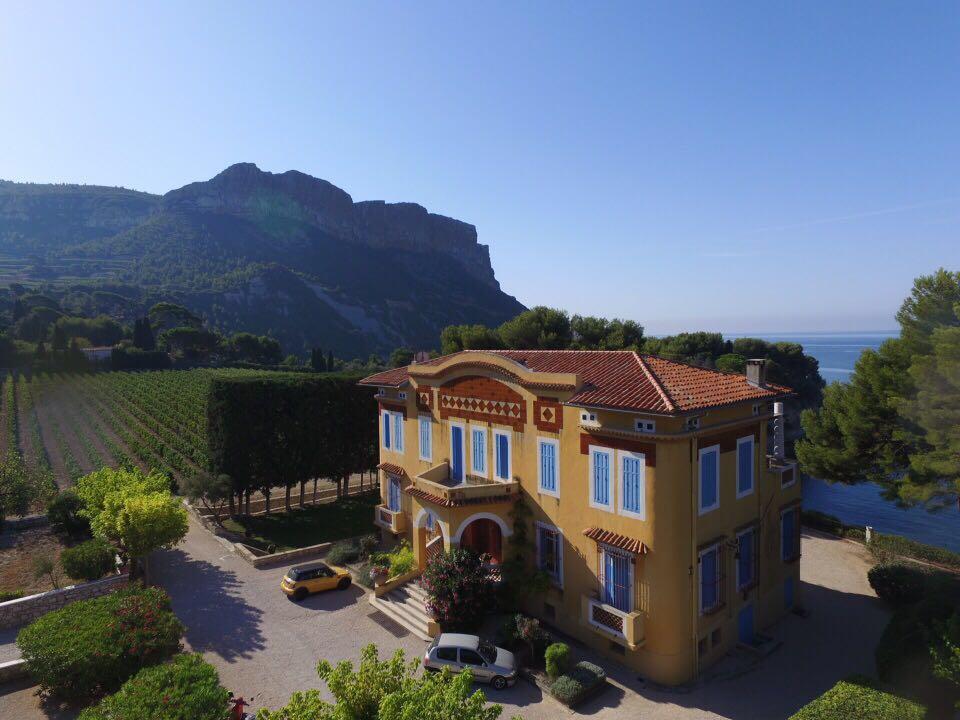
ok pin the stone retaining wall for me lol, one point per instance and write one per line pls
(12, 670)
(14, 613)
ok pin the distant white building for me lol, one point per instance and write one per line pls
(98, 355)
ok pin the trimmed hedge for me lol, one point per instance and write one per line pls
(187, 688)
(90, 560)
(829, 524)
(8, 595)
(858, 697)
(576, 685)
(91, 647)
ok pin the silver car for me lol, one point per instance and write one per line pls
(458, 652)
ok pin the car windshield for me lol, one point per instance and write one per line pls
(487, 651)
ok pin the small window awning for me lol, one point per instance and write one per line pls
(392, 469)
(622, 542)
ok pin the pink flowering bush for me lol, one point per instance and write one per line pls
(90, 648)
(459, 590)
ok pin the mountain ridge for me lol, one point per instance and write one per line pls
(286, 254)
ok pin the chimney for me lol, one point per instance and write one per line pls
(757, 372)
(778, 434)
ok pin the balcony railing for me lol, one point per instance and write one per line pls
(393, 520)
(784, 470)
(437, 481)
(626, 627)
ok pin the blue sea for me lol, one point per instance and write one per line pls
(861, 504)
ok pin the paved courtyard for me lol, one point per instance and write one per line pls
(267, 647)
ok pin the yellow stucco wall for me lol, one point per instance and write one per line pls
(666, 577)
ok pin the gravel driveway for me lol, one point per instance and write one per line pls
(264, 645)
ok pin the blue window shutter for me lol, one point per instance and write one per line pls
(708, 479)
(608, 579)
(708, 579)
(631, 484)
(456, 452)
(386, 430)
(503, 460)
(745, 562)
(745, 467)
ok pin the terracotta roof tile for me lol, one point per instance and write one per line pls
(607, 537)
(623, 379)
(444, 502)
(392, 469)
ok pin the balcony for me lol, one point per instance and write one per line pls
(394, 521)
(437, 482)
(623, 627)
(785, 471)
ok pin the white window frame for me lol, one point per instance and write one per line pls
(508, 434)
(611, 453)
(396, 431)
(463, 447)
(753, 466)
(640, 425)
(558, 578)
(556, 456)
(428, 421)
(485, 472)
(712, 548)
(703, 451)
(621, 456)
(755, 560)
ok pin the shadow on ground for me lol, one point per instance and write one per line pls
(217, 618)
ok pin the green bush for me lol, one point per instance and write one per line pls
(7, 595)
(368, 545)
(90, 648)
(822, 521)
(904, 642)
(90, 560)
(187, 688)
(557, 658)
(62, 512)
(574, 686)
(857, 697)
(566, 689)
(342, 553)
(899, 583)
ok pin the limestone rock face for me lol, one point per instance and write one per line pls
(243, 189)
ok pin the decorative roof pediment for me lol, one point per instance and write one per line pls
(496, 364)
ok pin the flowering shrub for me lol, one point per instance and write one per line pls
(458, 588)
(90, 648)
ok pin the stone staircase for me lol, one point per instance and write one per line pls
(407, 605)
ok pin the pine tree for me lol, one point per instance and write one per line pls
(330, 367)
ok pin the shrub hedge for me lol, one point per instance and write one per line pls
(858, 697)
(7, 595)
(187, 688)
(575, 685)
(90, 560)
(899, 583)
(91, 647)
(343, 552)
(557, 658)
(63, 514)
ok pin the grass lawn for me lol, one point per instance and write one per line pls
(310, 525)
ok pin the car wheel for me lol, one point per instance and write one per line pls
(498, 683)
(343, 584)
(300, 594)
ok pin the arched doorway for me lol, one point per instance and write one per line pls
(429, 537)
(484, 537)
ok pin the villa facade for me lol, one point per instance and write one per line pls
(668, 530)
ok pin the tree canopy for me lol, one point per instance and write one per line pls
(897, 422)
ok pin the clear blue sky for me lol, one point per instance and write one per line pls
(738, 167)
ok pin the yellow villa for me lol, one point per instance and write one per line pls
(669, 531)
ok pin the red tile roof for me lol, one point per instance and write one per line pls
(607, 537)
(392, 469)
(626, 380)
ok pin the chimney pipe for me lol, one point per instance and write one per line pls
(757, 372)
(779, 451)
